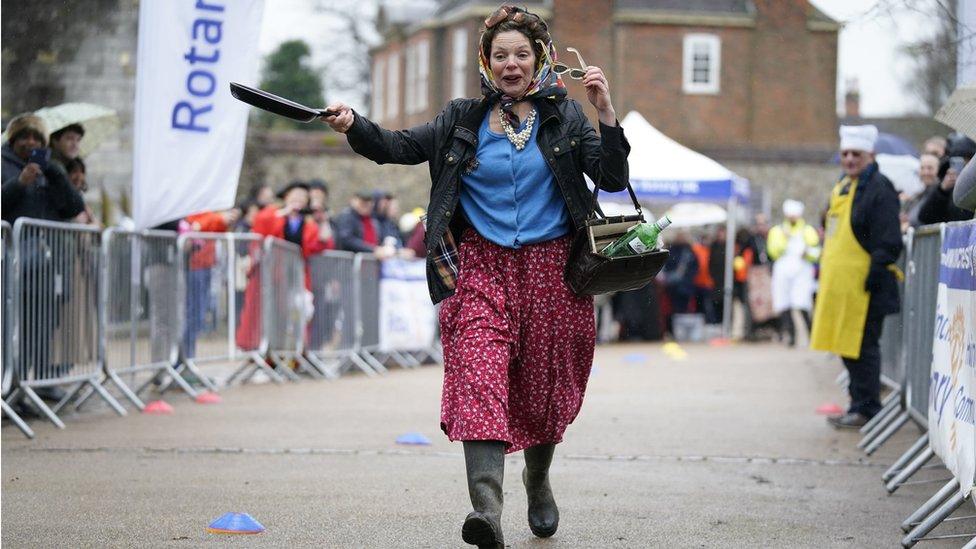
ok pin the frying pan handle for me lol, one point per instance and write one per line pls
(327, 112)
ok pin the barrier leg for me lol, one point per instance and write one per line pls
(909, 454)
(191, 365)
(135, 400)
(887, 417)
(901, 420)
(263, 365)
(109, 399)
(330, 372)
(70, 394)
(306, 366)
(37, 401)
(364, 366)
(240, 370)
(283, 368)
(899, 479)
(928, 506)
(18, 421)
(373, 363)
(842, 379)
(890, 403)
(954, 502)
(406, 358)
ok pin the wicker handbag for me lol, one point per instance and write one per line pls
(588, 272)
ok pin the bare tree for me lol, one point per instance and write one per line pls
(933, 76)
(348, 73)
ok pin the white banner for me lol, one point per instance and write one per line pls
(407, 317)
(189, 130)
(951, 394)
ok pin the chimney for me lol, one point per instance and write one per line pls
(852, 99)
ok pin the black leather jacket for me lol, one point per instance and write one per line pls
(566, 138)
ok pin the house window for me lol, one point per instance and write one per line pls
(702, 63)
(422, 66)
(417, 67)
(409, 78)
(459, 63)
(392, 86)
(379, 70)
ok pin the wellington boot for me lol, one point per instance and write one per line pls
(543, 513)
(485, 464)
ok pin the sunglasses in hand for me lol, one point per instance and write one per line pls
(561, 68)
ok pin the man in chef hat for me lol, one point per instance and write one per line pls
(858, 277)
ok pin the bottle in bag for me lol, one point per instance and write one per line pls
(639, 239)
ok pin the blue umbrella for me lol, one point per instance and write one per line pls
(889, 143)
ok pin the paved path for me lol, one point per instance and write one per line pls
(719, 450)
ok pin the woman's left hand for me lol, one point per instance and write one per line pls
(598, 92)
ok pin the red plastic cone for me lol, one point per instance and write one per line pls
(208, 397)
(158, 407)
(829, 409)
(720, 342)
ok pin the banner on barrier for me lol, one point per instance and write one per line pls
(406, 314)
(189, 130)
(951, 391)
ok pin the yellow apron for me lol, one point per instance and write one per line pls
(842, 302)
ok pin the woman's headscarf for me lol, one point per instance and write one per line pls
(545, 82)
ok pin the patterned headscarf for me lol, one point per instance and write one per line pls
(545, 82)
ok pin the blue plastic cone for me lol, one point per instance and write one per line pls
(235, 523)
(416, 439)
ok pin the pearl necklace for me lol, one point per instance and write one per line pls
(518, 139)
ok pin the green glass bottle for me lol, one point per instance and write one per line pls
(638, 239)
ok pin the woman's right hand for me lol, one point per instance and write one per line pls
(342, 121)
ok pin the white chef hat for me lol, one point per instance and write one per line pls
(792, 208)
(858, 138)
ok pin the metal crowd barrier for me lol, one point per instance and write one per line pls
(923, 291)
(891, 417)
(220, 314)
(56, 334)
(370, 348)
(7, 325)
(284, 307)
(88, 310)
(907, 361)
(139, 314)
(333, 343)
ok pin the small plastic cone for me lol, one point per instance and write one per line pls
(413, 439)
(208, 397)
(235, 523)
(158, 407)
(829, 409)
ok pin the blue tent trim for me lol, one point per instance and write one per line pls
(719, 191)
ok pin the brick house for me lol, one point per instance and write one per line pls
(741, 80)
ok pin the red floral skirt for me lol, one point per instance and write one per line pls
(518, 345)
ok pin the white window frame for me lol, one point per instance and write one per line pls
(422, 67)
(392, 86)
(713, 45)
(459, 62)
(378, 99)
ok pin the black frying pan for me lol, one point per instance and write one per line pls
(277, 105)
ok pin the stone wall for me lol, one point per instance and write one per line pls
(808, 183)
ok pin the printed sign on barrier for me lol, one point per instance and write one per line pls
(951, 391)
(406, 314)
